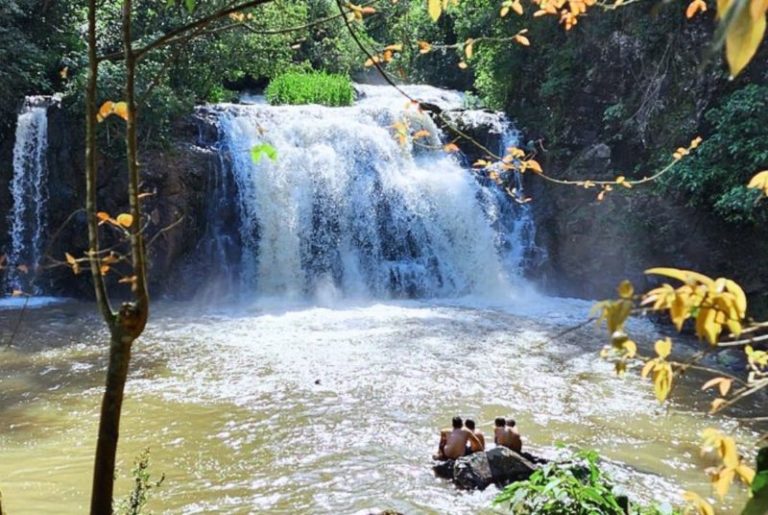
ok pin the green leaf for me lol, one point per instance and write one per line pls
(263, 149)
(190, 5)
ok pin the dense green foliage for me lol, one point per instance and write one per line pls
(576, 488)
(717, 174)
(311, 88)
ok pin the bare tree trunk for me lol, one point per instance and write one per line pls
(129, 323)
(109, 425)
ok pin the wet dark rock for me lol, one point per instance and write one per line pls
(444, 469)
(472, 472)
(500, 466)
(507, 466)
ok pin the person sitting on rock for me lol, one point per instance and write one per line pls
(471, 446)
(454, 441)
(506, 434)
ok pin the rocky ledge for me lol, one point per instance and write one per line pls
(499, 466)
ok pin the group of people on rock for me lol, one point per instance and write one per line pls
(464, 438)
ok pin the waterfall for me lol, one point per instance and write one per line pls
(29, 193)
(347, 209)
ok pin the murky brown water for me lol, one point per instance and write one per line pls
(230, 407)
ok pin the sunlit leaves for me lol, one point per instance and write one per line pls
(694, 7)
(626, 290)
(109, 108)
(358, 12)
(261, 150)
(731, 467)
(511, 5)
(72, 262)
(723, 383)
(385, 56)
(520, 39)
(760, 182)
(124, 219)
(435, 9)
(697, 504)
(714, 303)
(744, 30)
(660, 369)
(451, 148)
(240, 17)
(424, 47)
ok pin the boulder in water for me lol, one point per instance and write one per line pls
(472, 472)
(444, 469)
(500, 466)
(507, 466)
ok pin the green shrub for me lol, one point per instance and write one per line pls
(715, 175)
(575, 488)
(311, 88)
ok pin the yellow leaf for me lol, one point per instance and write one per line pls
(125, 219)
(469, 48)
(423, 133)
(517, 7)
(451, 147)
(631, 348)
(463, 65)
(746, 474)
(716, 405)
(504, 11)
(725, 386)
(760, 182)
(70, 258)
(104, 269)
(132, 279)
(121, 110)
(424, 47)
(723, 482)
(435, 8)
(626, 290)
(728, 452)
(663, 347)
(522, 40)
(17, 293)
(685, 276)
(662, 382)
(702, 507)
(533, 165)
(742, 37)
(694, 7)
(707, 326)
(105, 110)
(647, 368)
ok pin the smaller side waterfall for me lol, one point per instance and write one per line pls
(29, 192)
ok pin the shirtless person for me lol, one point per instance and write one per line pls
(453, 441)
(507, 435)
(472, 447)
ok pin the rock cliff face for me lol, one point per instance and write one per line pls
(593, 245)
(175, 177)
(640, 95)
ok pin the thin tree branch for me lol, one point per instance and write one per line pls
(100, 289)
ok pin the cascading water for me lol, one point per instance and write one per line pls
(29, 192)
(347, 209)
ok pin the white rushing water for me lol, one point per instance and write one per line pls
(29, 192)
(347, 210)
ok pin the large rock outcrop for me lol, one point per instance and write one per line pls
(500, 466)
